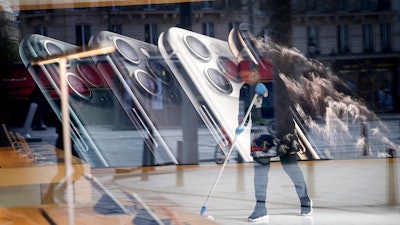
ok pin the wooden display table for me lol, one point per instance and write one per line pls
(165, 211)
(17, 170)
(58, 214)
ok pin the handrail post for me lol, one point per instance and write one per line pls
(364, 135)
(391, 178)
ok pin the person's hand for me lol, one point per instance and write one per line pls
(239, 130)
(261, 89)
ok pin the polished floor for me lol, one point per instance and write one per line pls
(343, 191)
(358, 191)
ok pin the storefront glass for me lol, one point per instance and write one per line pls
(134, 86)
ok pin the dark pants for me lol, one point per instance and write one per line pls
(289, 164)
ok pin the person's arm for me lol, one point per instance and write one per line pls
(260, 90)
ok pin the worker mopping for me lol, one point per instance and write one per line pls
(285, 141)
(248, 69)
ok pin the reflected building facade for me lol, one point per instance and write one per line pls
(143, 22)
(9, 25)
(359, 40)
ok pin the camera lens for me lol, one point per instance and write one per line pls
(78, 86)
(219, 81)
(229, 68)
(146, 82)
(159, 70)
(90, 74)
(53, 49)
(127, 51)
(197, 48)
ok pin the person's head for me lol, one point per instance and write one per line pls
(249, 72)
(241, 42)
(253, 66)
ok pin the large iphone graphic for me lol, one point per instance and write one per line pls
(207, 71)
(145, 86)
(91, 103)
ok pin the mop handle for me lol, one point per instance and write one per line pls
(253, 101)
(203, 209)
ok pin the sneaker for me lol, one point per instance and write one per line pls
(306, 208)
(257, 218)
(259, 214)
